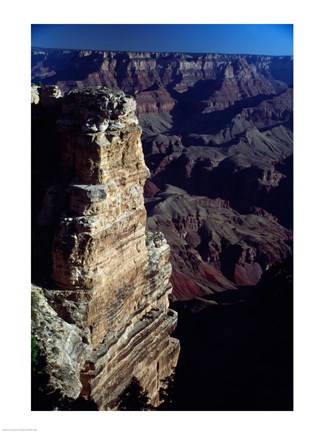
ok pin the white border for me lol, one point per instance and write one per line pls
(15, 205)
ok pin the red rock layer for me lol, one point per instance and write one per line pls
(151, 76)
(214, 247)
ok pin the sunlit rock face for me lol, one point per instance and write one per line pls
(110, 279)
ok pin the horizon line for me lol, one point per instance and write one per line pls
(161, 52)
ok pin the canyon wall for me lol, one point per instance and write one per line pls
(157, 75)
(102, 318)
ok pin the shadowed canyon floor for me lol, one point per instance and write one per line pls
(238, 354)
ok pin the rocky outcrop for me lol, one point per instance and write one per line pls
(34, 94)
(110, 279)
(61, 343)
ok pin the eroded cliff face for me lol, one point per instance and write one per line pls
(215, 248)
(157, 79)
(110, 279)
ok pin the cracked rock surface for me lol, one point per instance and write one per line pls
(109, 292)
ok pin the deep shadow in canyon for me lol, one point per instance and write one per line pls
(238, 355)
(188, 120)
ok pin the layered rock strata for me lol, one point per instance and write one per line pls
(157, 79)
(110, 278)
(215, 248)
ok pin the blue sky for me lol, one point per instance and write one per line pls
(267, 39)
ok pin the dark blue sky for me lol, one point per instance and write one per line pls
(269, 39)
